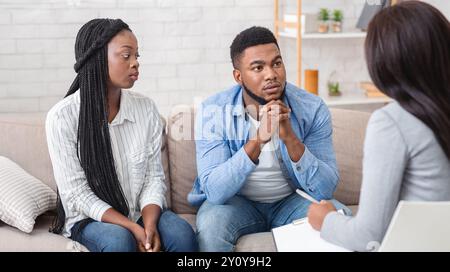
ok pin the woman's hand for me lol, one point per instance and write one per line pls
(150, 217)
(317, 213)
(140, 236)
(152, 241)
(114, 217)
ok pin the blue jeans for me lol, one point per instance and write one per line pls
(175, 234)
(220, 226)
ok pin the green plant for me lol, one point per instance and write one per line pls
(338, 16)
(333, 88)
(324, 14)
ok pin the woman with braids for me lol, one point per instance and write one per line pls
(104, 143)
(407, 145)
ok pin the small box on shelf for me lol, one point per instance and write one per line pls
(308, 23)
(371, 90)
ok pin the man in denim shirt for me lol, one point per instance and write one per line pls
(255, 144)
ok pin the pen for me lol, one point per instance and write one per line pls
(305, 195)
(310, 198)
(299, 221)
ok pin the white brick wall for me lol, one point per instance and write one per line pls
(184, 46)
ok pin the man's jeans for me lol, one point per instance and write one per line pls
(220, 226)
(175, 234)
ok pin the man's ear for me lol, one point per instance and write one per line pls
(237, 76)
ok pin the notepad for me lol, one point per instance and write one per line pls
(301, 237)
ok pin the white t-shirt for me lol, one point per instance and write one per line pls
(266, 183)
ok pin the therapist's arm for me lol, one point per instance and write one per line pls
(385, 158)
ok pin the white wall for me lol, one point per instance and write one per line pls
(343, 56)
(184, 46)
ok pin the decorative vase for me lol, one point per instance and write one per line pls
(337, 26)
(323, 27)
(334, 93)
(312, 81)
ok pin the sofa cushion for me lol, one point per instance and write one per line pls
(23, 141)
(182, 161)
(40, 239)
(348, 139)
(261, 242)
(22, 197)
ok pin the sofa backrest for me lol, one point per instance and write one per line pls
(348, 138)
(349, 130)
(23, 140)
(182, 161)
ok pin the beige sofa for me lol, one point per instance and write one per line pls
(23, 141)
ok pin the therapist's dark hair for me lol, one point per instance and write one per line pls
(408, 57)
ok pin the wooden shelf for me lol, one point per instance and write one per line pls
(354, 100)
(294, 32)
(311, 36)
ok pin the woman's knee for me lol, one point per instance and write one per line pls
(118, 239)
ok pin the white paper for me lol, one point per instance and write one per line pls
(302, 238)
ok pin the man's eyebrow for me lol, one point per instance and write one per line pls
(257, 62)
(127, 46)
(276, 58)
(263, 62)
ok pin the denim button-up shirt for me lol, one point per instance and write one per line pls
(222, 130)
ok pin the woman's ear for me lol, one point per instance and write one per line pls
(237, 76)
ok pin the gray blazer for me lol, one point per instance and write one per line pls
(402, 161)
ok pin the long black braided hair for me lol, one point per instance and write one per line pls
(93, 140)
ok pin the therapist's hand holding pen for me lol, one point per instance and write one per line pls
(317, 210)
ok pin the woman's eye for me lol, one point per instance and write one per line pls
(126, 56)
(277, 64)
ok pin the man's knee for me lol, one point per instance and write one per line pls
(177, 233)
(215, 229)
(216, 217)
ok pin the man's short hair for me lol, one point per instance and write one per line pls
(252, 36)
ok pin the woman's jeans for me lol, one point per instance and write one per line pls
(175, 234)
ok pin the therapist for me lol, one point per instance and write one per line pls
(407, 145)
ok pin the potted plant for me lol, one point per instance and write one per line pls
(333, 89)
(324, 16)
(338, 16)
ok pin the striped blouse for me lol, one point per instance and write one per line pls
(136, 145)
